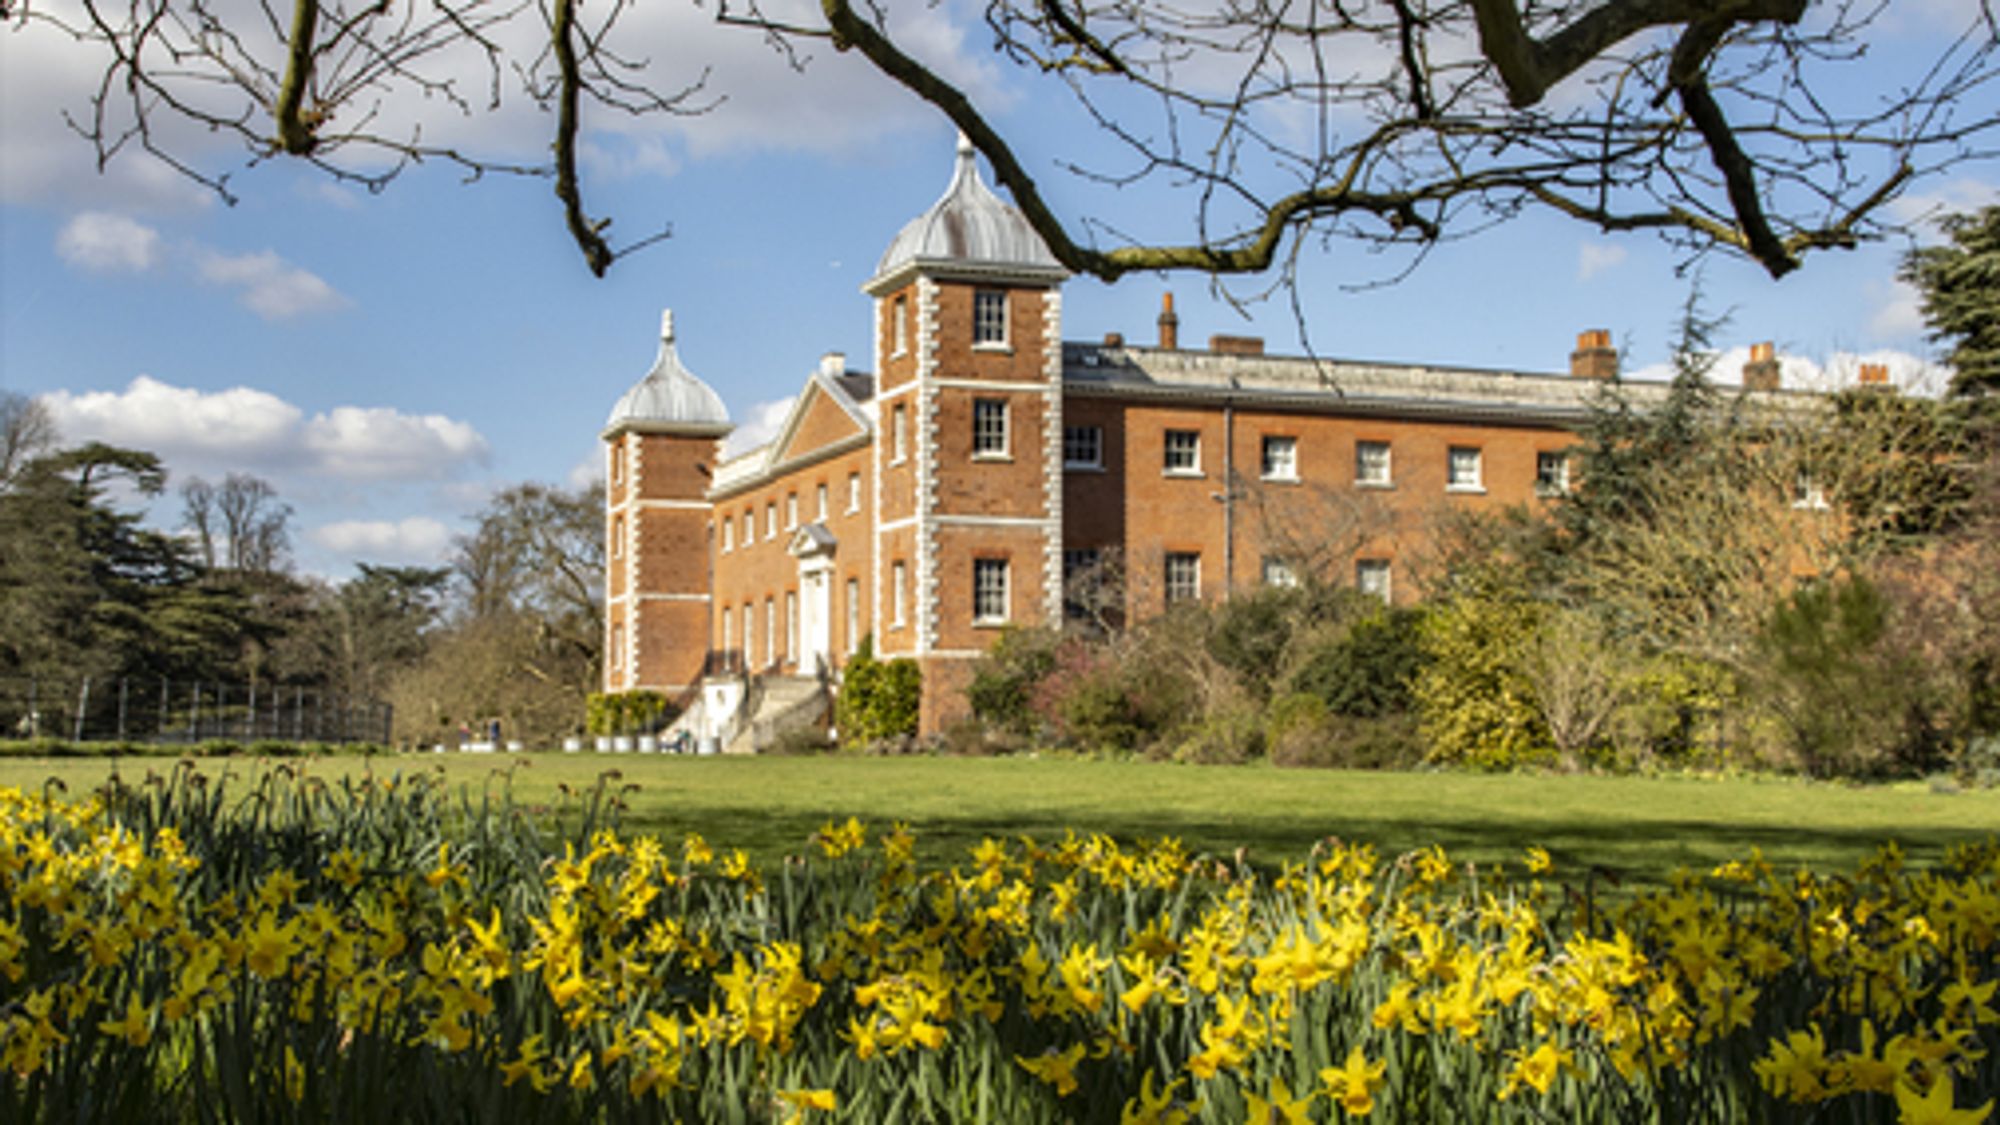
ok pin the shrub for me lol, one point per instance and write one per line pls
(1224, 736)
(878, 700)
(1004, 680)
(1476, 709)
(625, 712)
(1367, 669)
(1850, 705)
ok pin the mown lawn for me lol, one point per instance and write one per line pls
(1634, 830)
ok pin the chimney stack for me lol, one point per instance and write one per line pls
(1236, 345)
(833, 364)
(1875, 376)
(1594, 357)
(1761, 373)
(1170, 325)
(1114, 339)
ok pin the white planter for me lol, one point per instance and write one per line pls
(621, 744)
(572, 745)
(604, 744)
(514, 747)
(648, 744)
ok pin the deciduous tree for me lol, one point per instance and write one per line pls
(1719, 125)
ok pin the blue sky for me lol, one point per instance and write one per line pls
(389, 360)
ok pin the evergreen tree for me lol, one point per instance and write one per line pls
(1960, 284)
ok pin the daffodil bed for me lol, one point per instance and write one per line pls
(374, 950)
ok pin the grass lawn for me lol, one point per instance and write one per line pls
(1637, 829)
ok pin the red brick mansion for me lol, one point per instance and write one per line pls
(984, 468)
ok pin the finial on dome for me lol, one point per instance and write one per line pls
(666, 326)
(965, 148)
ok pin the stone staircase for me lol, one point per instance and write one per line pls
(775, 705)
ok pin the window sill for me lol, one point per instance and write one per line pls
(1378, 485)
(1001, 458)
(1185, 474)
(1286, 478)
(1081, 467)
(1466, 489)
(989, 622)
(994, 348)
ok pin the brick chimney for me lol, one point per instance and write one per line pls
(1114, 339)
(1236, 345)
(1594, 357)
(1170, 325)
(1761, 372)
(1875, 377)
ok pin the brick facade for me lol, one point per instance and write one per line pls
(984, 456)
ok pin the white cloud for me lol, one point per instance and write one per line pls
(1593, 258)
(759, 426)
(108, 243)
(243, 428)
(44, 74)
(412, 541)
(218, 427)
(587, 473)
(1839, 370)
(1926, 207)
(1899, 311)
(377, 443)
(268, 285)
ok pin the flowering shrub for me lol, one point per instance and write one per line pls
(374, 950)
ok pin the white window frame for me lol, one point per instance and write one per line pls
(1278, 572)
(770, 519)
(1556, 483)
(770, 632)
(618, 536)
(989, 320)
(1365, 475)
(989, 429)
(728, 535)
(853, 492)
(819, 493)
(899, 586)
(791, 626)
(1183, 587)
(617, 647)
(899, 434)
(618, 463)
(791, 510)
(899, 325)
(1458, 457)
(749, 635)
(1807, 495)
(853, 616)
(1169, 452)
(989, 591)
(1365, 571)
(1083, 448)
(728, 633)
(1280, 459)
(749, 527)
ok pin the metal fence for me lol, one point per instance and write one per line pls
(133, 709)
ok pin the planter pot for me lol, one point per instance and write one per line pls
(648, 744)
(572, 745)
(603, 744)
(621, 744)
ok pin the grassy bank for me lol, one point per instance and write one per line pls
(1631, 828)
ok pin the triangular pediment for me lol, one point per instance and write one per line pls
(811, 539)
(821, 417)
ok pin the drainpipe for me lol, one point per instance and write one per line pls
(1229, 493)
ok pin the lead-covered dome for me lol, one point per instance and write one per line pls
(968, 230)
(669, 399)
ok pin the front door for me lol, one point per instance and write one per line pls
(815, 616)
